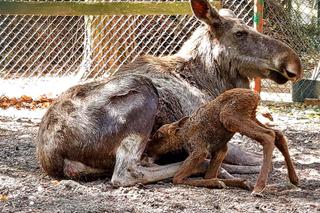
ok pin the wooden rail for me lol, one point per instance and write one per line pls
(96, 8)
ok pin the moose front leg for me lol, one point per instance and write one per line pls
(129, 170)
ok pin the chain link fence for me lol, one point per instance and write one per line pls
(296, 22)
(47, 54)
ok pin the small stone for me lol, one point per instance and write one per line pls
(40, 189)
(31, 197)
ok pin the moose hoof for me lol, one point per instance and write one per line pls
(221, 185)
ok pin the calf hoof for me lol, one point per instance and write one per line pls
(294, 180)
(257, 191)
(256, 194)
(247, 185)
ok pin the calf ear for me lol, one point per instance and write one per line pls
(204, 12)
(180, 122)
(158, 135)
(175, 126)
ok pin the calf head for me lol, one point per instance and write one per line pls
(238, 47)
(167, 138)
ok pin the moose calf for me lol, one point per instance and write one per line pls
(207, 132)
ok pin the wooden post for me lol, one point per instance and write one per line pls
(258, 25)
(318, 12)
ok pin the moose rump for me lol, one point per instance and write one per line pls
(80, 132)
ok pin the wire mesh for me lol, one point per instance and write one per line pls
(92, 47)
(295, 22)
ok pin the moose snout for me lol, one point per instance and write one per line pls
(293, 70)
(289, 66)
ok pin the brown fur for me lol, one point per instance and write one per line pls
(207, 132)
(103, 127)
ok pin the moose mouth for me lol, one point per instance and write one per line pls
(276, 76)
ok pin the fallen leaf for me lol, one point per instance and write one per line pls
(55, 182)
(25, 102)
(26, 99)
(3, 198)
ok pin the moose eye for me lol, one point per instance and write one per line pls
(241, 33)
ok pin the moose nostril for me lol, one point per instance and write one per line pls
(290, 74)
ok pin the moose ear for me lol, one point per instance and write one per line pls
(204, 12)
(227, 13)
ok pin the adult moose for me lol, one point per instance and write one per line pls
(103, 127)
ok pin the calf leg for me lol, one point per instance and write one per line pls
(203, 167)
(237, 156)
(215, 166)
(215, 162)
(264, 136)
(281, 144)
(189, 167)
(223, 174)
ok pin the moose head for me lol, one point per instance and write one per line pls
(240, 49)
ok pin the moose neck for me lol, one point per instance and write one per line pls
(208, 65)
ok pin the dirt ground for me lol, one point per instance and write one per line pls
(25, 188)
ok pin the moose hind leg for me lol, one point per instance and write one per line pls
(77, 170)
(237, 156)
(140, 117)
(127, 159)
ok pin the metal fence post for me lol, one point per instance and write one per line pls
(258, 25)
